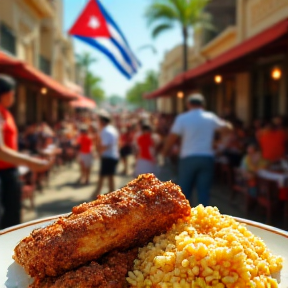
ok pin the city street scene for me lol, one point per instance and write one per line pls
(155, 134)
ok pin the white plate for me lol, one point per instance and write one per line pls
(13, 276)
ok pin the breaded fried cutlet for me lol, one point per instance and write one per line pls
(141, 213)
(109, 272)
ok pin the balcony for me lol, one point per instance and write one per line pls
(43, 7)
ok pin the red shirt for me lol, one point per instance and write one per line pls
(9, 134)
(146, 145)
(85, 143)
(273, 144)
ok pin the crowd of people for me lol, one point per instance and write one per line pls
(192, 143)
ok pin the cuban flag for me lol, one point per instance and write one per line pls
(98, 29)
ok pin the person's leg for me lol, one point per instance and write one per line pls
(111, 183)
(88, 172)
(11, 198)
(125, 164)
(204, 179)
(99, 187)
(186, 174)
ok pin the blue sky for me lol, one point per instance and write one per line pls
(129, 16)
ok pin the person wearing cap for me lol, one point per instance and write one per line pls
(10, 187)
(196, 128)
(85, 144)
(108, 149)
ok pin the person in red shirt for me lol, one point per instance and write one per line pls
(85, 143)
(147, 143)
(10, 158)
(273, 140)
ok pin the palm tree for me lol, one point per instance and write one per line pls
(91, 83)
(84, 60)
(164, 14)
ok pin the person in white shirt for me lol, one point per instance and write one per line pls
(196, 128)
(108, 149)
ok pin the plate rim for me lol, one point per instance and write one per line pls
(268, 228)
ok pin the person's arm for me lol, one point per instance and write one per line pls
(172, 138)
(170, 141)
(15, 158)
(105, 142)
(223, 125)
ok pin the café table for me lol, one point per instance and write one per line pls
(281, 178)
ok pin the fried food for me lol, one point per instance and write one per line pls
(124, 219)
(110, 272)
(123, 194)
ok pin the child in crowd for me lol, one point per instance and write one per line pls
(251, 164)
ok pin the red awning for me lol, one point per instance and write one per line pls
(22, 70)
(7, 60)
(236, 53)
(83, 102)
(31, 73)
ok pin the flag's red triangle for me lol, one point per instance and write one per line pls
(91, 23)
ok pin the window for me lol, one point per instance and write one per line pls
(45, 65)
(7, 39)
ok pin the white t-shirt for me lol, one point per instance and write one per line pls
(109, 137)
(197, 128)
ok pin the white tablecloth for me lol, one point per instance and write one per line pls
(278, 177)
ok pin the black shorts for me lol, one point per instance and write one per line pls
(108, 166)
(125, 151)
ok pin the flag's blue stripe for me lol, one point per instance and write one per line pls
(97, 45)
(110, 19)
(124, 54)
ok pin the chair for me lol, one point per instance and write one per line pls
(28, 188)
(240, 186)
(226, 174)
(267, 196)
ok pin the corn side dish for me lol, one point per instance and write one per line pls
(206, 250)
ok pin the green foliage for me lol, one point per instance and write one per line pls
(92, 83)
(85, 60)
(190, 15)
(163, 14)
(135, 94)
(116, 100)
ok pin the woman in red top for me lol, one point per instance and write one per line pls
(10, 188)
(85, 154)
(146, 144)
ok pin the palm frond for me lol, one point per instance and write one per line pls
(159, 11)
(160, 28)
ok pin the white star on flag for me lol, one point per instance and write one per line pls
(94, 22)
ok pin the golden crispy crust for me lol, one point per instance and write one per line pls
(136, 185)
(97, 229)
(110, 272)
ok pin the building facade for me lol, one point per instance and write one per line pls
(32, 31)
(254, 84)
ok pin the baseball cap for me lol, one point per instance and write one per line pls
(7, 84)
(196, 98)
(104, 114)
